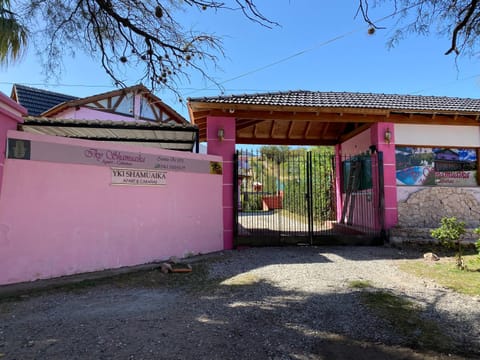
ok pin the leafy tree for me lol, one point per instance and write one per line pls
(275, 153)
(120, 34)
(295, 179)
(13, 35)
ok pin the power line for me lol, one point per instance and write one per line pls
(314, 47)
(445, 84)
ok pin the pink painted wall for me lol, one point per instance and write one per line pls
(10, 116)
(59, 219)
(357, 145)
(226, 149)
(367, 212)
(390, 180)
(364, 213)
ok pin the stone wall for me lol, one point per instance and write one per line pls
(421, 209)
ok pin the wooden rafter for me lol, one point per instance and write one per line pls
(117, 103)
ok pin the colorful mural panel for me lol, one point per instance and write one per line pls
(436, 166)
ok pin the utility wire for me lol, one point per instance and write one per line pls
(314, 47)
(264, 67)
(445, 84)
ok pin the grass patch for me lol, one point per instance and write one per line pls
(445, 273)
(406, 318)
(360, 284)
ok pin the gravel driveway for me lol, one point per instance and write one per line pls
(265, 303)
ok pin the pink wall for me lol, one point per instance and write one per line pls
(368, 213)
(10, 115)
(357, 145)
(389, 167)
(226, 149)
(364, 214)
(59, 219)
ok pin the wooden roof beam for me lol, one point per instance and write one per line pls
(283, 108)
(307, 129)
(290, 129)
(304, 116)
(267, 141)
(325, 129)
(243, 124)
(353, 133)
(272, 129)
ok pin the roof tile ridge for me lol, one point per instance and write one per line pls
(16, 85)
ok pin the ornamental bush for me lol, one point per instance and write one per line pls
(477, 243)
(450, 234)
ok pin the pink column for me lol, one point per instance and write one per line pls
(338, 181)
(10, 115)
(378, 132)
(226, 149)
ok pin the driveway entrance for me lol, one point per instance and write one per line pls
(288, 197)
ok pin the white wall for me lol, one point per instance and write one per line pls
(434, 135)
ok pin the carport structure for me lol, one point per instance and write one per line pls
(355, 123)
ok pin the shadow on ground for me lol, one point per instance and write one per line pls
(150, 315)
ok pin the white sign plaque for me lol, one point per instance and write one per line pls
(138, 177)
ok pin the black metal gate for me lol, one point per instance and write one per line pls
(288, 197)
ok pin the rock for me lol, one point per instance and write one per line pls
(431, 257)
(166, 268)
(173, 260)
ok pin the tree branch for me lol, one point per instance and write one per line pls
(461, 25)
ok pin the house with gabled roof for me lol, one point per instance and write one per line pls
(128, 115)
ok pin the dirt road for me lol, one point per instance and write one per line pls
(274, 303)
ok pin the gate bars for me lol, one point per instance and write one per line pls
(287, 196)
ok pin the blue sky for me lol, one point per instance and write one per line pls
(319, 46)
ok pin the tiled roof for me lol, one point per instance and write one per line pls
(36, 101)
(143, 125)
(173, 136)
(303, 98)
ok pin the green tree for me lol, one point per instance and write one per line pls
(275, 153)
(13, 35)
(295, 180)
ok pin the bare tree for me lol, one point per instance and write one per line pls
(459, 20)
(146, 34)
(125, 33)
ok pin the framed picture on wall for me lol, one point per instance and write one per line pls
(420, 166)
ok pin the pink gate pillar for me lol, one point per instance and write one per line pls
(224, 146)
(383, 136)
(10, 115)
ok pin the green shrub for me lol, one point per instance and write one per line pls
(477, 243)
(450, 234)
(252, 202)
